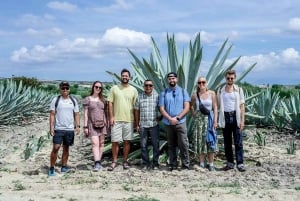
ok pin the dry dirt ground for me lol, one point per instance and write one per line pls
(271, 174)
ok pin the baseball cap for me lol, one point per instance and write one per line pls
(64, 84)
(171, 74)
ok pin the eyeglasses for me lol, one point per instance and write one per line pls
(201, 82)
(148, 85)
(229, 78)
(97, 87)
(174, 94)
(65, 88)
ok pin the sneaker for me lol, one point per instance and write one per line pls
(64, 169)
(97, 167)
(211, 168)
(156, 167)
(229, 166)
(146, 167)
(241, 168)
(51, 172)
(202, 165)
(171, 168)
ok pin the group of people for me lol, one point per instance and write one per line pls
(126, 110)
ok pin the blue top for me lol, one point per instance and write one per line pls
(173, 102)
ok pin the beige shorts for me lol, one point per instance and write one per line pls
(121, 131)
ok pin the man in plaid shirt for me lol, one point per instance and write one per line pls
(146, 123)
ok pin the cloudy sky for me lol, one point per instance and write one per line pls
(81, 39)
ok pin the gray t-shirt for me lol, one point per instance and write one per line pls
(64, 116)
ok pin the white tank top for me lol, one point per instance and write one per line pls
(229, 101)
(206, 102)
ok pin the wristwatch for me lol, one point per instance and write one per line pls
(78, 126)
(178, 118)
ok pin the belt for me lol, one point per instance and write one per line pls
(230, 113)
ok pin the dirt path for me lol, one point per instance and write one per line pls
(271, 174)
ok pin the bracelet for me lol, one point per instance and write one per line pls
(85, 127)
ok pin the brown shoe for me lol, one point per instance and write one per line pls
(112, 166)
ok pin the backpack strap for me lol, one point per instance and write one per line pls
(57, 100)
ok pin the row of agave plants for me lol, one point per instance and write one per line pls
(18, 102)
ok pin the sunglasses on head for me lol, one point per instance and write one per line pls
(229, 78)
(201, 82)
(97, 87)
(174, 94)
(148, 85)
(64, 88)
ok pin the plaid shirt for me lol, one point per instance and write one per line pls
(148, 107)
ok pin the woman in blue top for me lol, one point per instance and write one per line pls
(204, 134)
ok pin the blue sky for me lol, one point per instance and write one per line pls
(81, 39)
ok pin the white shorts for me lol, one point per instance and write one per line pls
(122, 131)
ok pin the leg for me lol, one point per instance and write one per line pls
(65, 155)
(238, 143)
(101, 146)
(53, 155)
(115, 151)
(227, 135)
(183, 144)
(126, 150)
(95, 147)
(154, 132)
(172, 142)
(144, 146)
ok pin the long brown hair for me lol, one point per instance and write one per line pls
(101, 97)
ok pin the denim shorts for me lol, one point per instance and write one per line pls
(63, 137)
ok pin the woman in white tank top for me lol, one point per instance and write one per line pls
(201, 124)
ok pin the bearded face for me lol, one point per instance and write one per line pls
(172, 81)
(125, 78)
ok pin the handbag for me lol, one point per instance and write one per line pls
(202, 108)
(98, 124)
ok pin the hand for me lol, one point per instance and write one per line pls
(174, 121)
(77, 130)
(52, 132)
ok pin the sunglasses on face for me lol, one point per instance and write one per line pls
(65, 88)
(201, 82)
(229, 78)
(97, 87)
(148, 85)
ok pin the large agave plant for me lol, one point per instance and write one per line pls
(186, 66)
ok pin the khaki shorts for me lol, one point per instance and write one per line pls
(121, 131)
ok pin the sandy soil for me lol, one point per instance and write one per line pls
(272, 174)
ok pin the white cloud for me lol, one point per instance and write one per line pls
(294, 24)
(270, 62)
(46, 32)
(114, 41)
(117, 5)
(62, 6)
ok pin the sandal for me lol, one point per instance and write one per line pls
(125, 165)
(112, 166)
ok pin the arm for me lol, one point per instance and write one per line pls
(111, 112)
(77, 123)
(85, 121)
(215, 109)
(51, 122)
(242, 108)
(185, 110)
(193, 101)
(137, 119)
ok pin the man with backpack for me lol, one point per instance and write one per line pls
(64, 118)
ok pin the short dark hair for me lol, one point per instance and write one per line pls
(124, 70)
(230, 72)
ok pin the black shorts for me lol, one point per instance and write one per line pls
(63, 137)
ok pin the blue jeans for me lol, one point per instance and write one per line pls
(232, 129)
(177, 135)
(153, 133)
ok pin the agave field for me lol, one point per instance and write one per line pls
(265, 107)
